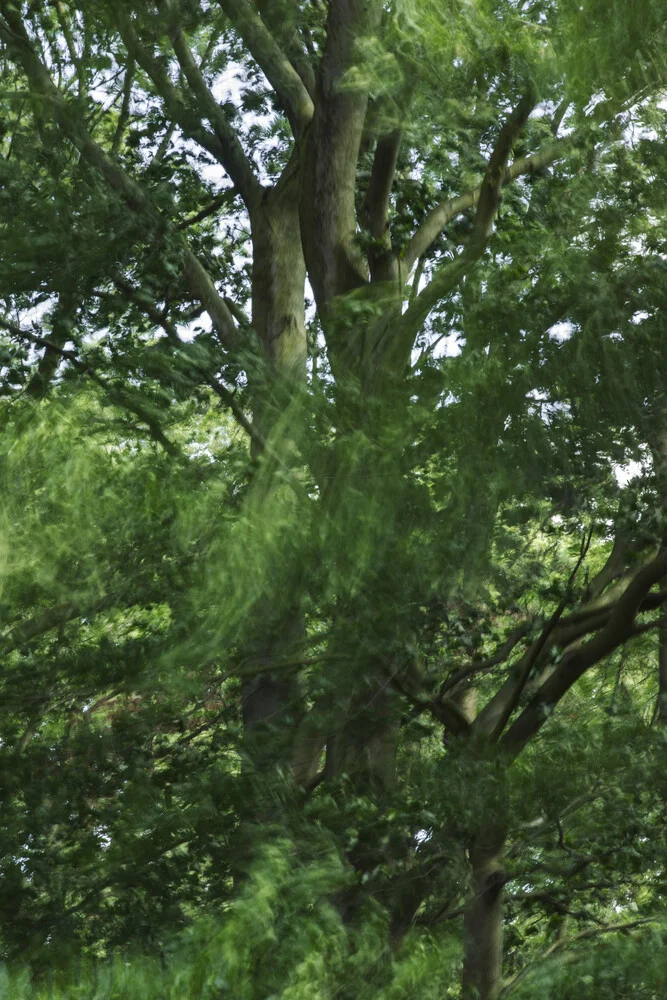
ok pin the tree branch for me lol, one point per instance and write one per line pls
(231, 155)
(199, 281)
(444, 281)
(375, 208)
(489, 196)
(443, 213)
(209, 210)
(124, 116)
(224, 394)
(201, 285)
(499, 656)
(617, 630)
(223, 144)
(115, 395)
(329, 166)
(295, 41)
(487, 199)
(494, 716)
(279, 71)
(567, 942)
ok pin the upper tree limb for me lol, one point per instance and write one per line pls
(447, 210)
(269, 56)
(134, 195)
(619, 628)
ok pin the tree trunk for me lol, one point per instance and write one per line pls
(278, 319)
(483, 921)
(657, 441)
(662, 676)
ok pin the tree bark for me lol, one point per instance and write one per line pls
(483, 920)
(278, 319)
(662, 676)
(656, 435)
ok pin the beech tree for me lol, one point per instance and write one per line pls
(333, 488)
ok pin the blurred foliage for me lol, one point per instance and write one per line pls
(146, 847)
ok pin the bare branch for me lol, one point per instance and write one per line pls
(335, 263)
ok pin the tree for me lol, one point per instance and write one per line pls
(282, 572)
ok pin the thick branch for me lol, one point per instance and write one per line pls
(443, 213)
(295, 42)
(231, 153)
(376, 202)
(619, 628)
(277, 68)
(489, 196)
(328, 211)
(224, 145)
(201, 285)
(375, 209)
(444, 710)
(494, 716)
(492, 719)
(445, 280)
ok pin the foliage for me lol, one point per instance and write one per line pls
(332, 611)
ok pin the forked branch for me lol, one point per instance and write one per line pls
(269, 56)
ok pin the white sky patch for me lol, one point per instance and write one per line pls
(449, 346)
(625, 473)
(38, 312)
(561, 331)
(189, 332)
(229, 85)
